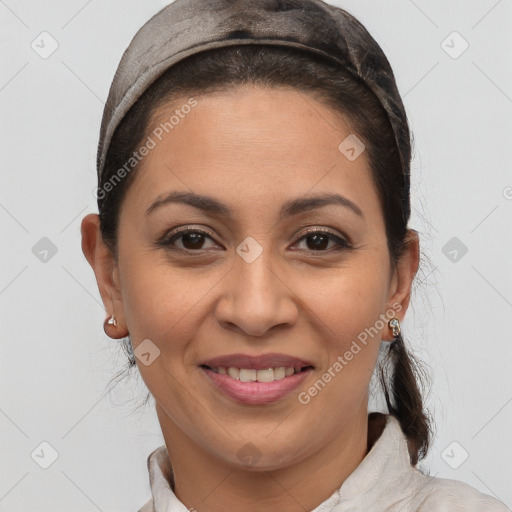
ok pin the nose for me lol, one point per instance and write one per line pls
(257, 297)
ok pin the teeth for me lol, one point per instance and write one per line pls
(266, 375)
(247, 375)
(279, 373)
(234, 373)
(252, 375)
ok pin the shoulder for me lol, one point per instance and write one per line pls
(445, 495)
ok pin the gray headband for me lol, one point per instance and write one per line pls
(187, 27)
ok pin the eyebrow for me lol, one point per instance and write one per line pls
(292, 207)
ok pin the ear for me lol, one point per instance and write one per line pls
(403, 275)
(105, 268)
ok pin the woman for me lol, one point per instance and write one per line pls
(252, 242)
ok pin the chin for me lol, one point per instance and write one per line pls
(264, 454)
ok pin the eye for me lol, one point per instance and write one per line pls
(320, 238)
(193, 239)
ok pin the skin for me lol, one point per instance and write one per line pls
(253, 149)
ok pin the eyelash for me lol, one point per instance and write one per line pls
(170, 238)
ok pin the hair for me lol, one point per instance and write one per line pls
(269, 66)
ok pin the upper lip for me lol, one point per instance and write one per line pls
(261, 362)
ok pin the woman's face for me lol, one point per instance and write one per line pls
(254, 282)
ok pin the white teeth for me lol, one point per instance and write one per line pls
(234, 372)
(247, 375)
(265, 375)
(279, 373)
(252, 375)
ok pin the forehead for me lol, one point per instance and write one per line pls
(248, 142)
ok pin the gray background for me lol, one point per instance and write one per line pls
(56, 360)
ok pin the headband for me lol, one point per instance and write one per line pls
(187, 27)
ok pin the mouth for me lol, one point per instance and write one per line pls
(256, 379)
(269, 374)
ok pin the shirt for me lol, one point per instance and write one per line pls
(384, 481)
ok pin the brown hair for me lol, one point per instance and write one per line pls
(272, 66)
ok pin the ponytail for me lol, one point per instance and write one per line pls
(404, 399)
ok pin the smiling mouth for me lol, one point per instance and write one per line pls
(258, 375)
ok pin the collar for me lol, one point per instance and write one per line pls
(385, 464)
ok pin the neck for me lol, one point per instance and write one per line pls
(204, 482)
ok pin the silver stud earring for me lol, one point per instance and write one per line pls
(112, 321)
(394, 324)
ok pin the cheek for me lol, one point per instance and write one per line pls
(158, 298)
(345, 314)
(163, 297)
(162, 301)
(347, 300)
(162, 304)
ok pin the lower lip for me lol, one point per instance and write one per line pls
(256, 392)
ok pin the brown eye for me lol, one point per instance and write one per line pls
(192, 239)
(318, 241)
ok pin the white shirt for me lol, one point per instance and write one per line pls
(384, 481)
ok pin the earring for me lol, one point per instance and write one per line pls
(112, 320)
(394, 324)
